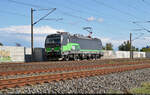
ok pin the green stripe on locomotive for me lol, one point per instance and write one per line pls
(69, 46)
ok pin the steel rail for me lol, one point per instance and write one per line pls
(9, 83)
(46, 65)
(70, 68)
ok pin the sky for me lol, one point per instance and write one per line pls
(111, 20)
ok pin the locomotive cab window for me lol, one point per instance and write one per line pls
(54, 39)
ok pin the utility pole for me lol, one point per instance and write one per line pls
(131, 52)
(33, 23)
(31, 34)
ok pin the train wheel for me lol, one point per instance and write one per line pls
(81, 58)
(66, 58)
(88, 58)
(94, 57)
(76, 58)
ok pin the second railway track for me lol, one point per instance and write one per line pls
(8, 83)
(70, 68)
(6, 67)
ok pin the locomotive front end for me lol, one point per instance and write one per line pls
(53, 47)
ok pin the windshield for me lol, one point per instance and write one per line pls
(50, 40)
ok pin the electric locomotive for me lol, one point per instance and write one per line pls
(64, 46)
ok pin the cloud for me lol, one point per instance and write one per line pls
(100, 20)
(146, 37)
(21, 34)
(139, 43)
(95, 19)
(91, 18)
(109, 40)
(26, 29)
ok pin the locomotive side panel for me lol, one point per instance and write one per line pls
(87, 44)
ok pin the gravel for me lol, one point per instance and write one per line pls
(89, 85)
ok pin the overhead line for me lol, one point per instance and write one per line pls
(119, 19)
(13, 13)
(138, 36)
(37, 6)
(141, 27)
(79, 11)
(65, 13)
(76, 10)
(26, 4)
(126, 13)
(147, 3)
(45, 15)
(68, 14)
(40, 8)
(133, 7)
(85, 7)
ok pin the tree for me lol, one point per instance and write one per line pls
(126, 47)
(103, 47)
(108, 46)
(1, 44)
(145, 49)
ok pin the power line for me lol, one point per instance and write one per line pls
(76, 10)
(75, 16)
(37, 6)
(45, 16)
(40, 8)
(68, 14)
(13, 13)
(126, 13)
(95, 11)
(141, 22)
(138, 36)
(54, 19)
(85, 7)
(147, 3)
(133, 7)
(86, 12)
(26, 4)
(141, 27)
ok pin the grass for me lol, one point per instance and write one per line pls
(144, 89)
(114, 92)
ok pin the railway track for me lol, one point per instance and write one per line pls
(70, 68)
(62, 70)
(46, 65)
(9, 83)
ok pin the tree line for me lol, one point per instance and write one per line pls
(125, 46)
